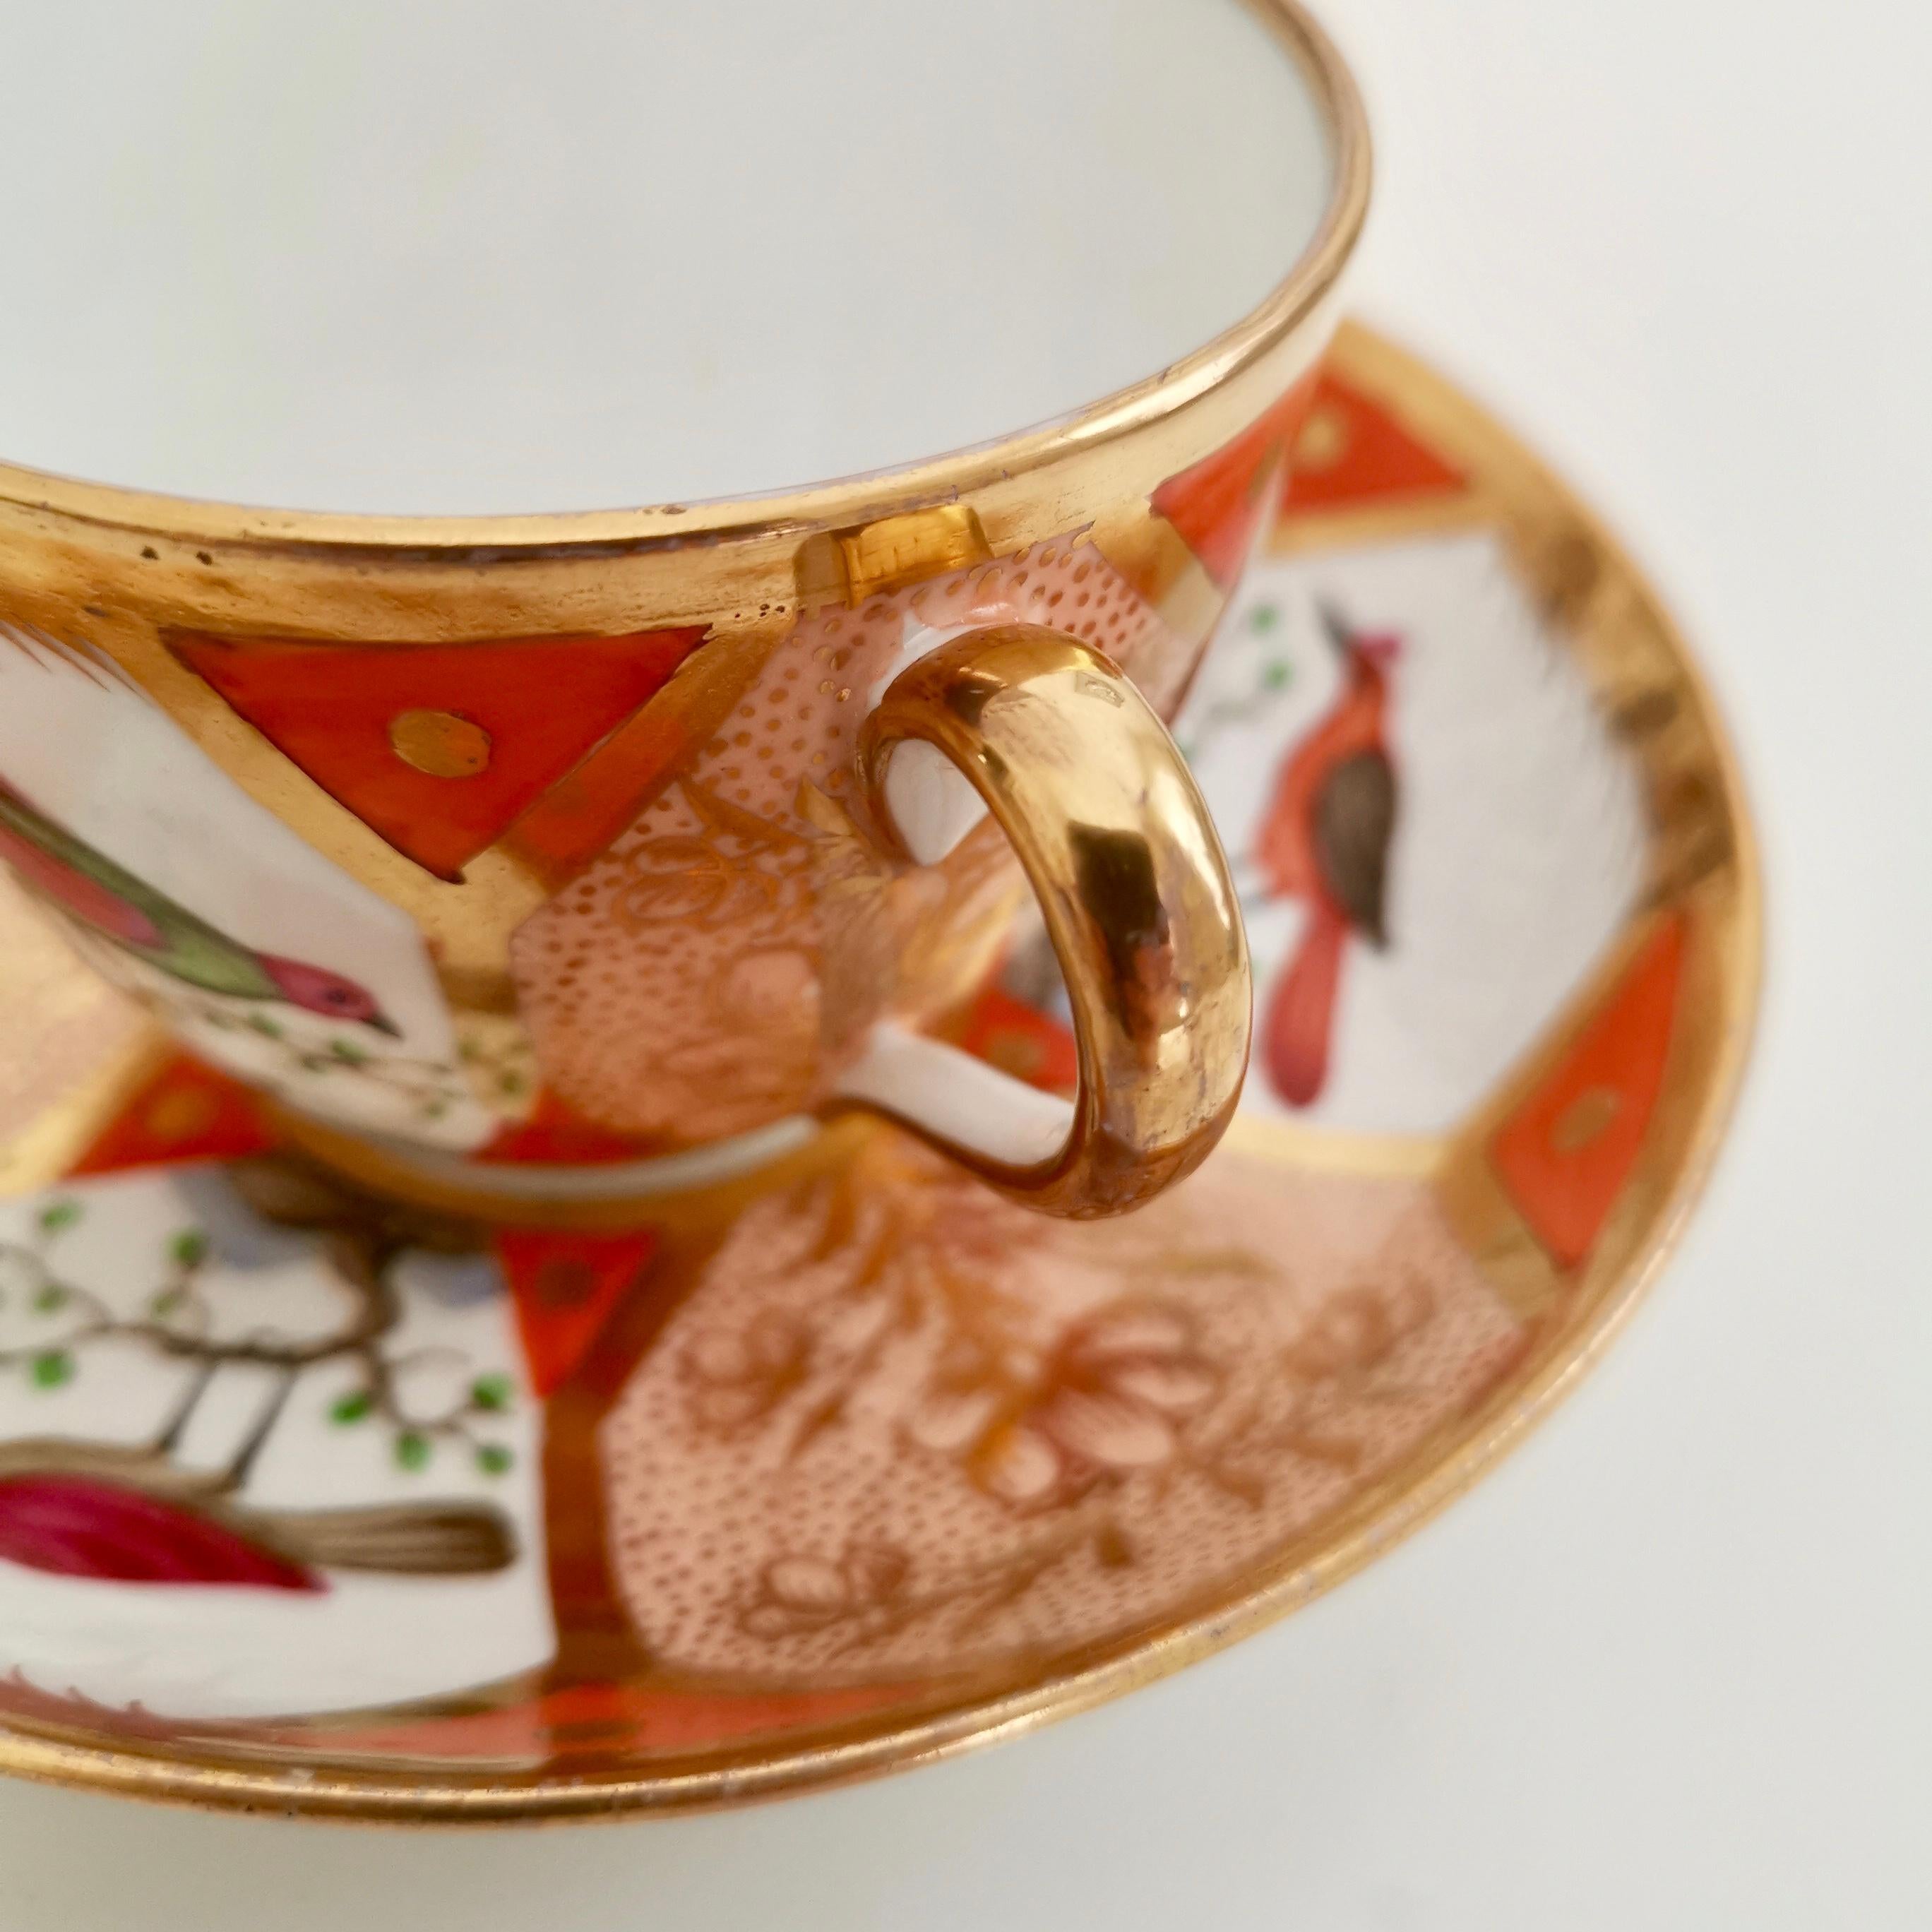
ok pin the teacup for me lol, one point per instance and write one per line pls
(570, 858)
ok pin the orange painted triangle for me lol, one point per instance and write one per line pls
(1350, 450)
(577, 819)
(185, 1112)
(1218, 504)
(1565, 1156)
(544, 704)
(565, 1285)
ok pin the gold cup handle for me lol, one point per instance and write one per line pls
(1134, 888)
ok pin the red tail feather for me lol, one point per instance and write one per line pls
(1301, 1011)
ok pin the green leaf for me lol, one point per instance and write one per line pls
(167, 1301)
(1264, 617)
(491, 1392)
(413, 1449)
(58, 1214)
(51, 1299)
(51, 1368)
(348, 1052)
(188, 1249)
(1276, 673)
(351, 1408)
(271, 1029)
(493, 1458)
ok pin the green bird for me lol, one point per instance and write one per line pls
(111, 903)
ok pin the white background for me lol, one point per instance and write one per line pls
(1668, 1667)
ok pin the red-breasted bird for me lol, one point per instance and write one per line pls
(1325, 838)
(111, 903)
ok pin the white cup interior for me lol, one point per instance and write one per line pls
(451, 256)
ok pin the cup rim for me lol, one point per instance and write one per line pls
(1309, 282)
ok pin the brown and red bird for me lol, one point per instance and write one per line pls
(1325, 839)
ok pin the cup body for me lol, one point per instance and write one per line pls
(540, 843)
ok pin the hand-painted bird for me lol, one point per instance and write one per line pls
(1325, 838)
(143, 923)
(130, 1512)
(131, 1515)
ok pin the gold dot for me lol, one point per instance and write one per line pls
(1324, 440)
(180, 1114)
(1016, 1054)
(440, 743)
(1586, 1119)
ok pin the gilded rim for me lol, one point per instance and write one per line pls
(1432, 1478)
(1291, 305)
